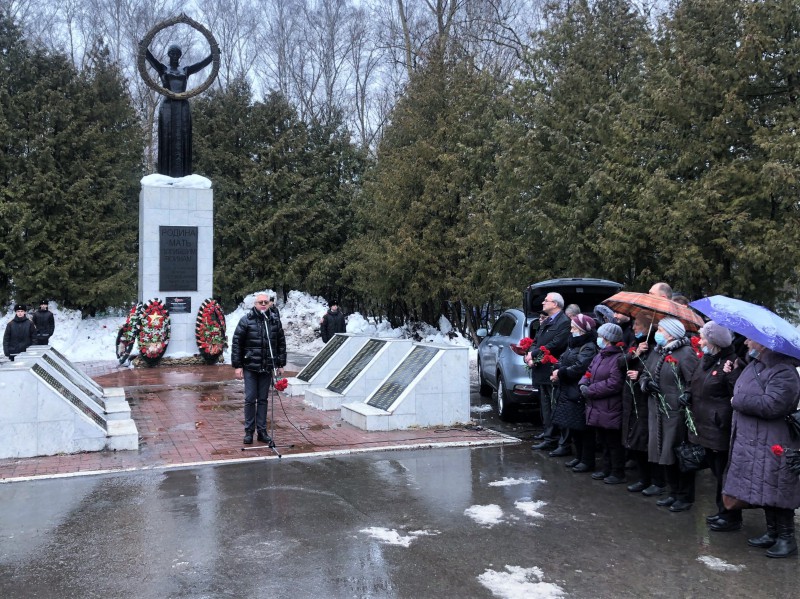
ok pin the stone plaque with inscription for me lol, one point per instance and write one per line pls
(179, 305)
(402, 377)
(356, 365)
(177, 258)
(319, 360)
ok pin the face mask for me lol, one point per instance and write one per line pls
(705, 350)
(754, 353)
(660, 339)
(601, 343)
(577, 334)
(639, 335)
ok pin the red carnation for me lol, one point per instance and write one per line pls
(695, 342)
(525, 343)
(588, 375)
(777, 450)
(281, 384)
(544, 349)
(549, 359)
(632, 350)
(620, 344)
(670, 360)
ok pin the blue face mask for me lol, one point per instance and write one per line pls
(577, 334)
(754, 353)
(601, 343)
(639, 335)
(660, 339)
(705, 350)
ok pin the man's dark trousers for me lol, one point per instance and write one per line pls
(256, 392)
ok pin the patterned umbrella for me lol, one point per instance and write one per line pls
(657, 307)
(752, 321)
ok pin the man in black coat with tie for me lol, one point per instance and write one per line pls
(553, 334)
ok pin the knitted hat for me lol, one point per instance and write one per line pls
(603, 314)
(583, 322)
(610, 332)
(716, 335)
(672, 327)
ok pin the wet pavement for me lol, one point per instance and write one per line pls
(194, 414)
(453, 522)
(193, 519)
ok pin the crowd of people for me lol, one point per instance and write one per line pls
(648, 392)
(22, 332)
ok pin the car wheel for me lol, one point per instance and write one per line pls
(505, 408)
(485, 389)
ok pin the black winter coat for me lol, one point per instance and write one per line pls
(45, 325)
(570, 410)
(712, 389)
(554, 335)
(332, 323)
(19, 336)
(634, 404)
(250, 349)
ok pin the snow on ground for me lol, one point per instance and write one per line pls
(92, 339)
(530, 508)
(519, 583)
(507, 482)
(392, 537)
(714, 563)
(485, 515)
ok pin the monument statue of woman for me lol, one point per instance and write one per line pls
(174, 115)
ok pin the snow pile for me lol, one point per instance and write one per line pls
(485, 515)
(714, 563)
(392, 537)
(92, 339)
(519, 583)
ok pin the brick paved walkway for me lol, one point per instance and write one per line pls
(194, 414)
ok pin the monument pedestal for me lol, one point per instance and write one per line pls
(176, 252)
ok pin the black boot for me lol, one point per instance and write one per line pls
(786, 544)
(768, 539)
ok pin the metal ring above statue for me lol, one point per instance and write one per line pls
(145, 43)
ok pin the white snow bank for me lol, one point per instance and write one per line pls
(92, 339)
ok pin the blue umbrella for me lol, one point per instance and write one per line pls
(752, 321)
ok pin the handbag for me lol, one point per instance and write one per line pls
(793, 421)
(691, 457)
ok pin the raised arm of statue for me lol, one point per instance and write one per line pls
(154, 62)
(199, 66)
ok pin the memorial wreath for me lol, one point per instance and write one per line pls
(154, 331)
(128, 332)
(209, 330)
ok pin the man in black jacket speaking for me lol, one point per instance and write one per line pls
(258, 350)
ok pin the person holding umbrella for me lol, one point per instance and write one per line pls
(711, 390)
(666, 377)
(766, 392)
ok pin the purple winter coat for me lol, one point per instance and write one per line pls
(604, 392)
(767, 390)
